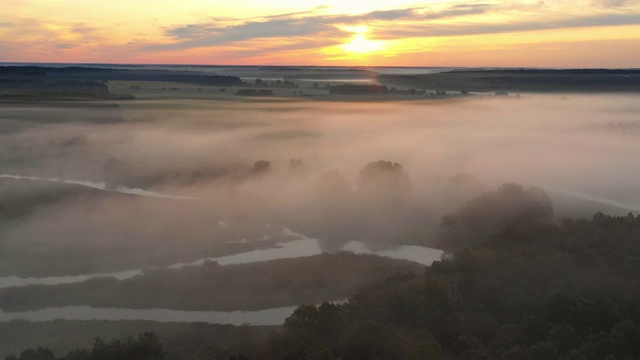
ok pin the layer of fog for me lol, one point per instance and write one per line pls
(100, 186)
(207, 150)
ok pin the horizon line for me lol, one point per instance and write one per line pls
(313, 66)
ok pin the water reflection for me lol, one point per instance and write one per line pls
(292, 249)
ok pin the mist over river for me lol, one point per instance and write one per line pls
(177, 182)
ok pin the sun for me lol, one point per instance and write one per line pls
(360, 44)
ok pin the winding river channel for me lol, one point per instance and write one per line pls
(303, 247)
(293, 249)
(297, 248)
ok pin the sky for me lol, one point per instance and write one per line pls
(512, 33)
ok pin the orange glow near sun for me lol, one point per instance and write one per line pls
(324, 32)
(360, 44)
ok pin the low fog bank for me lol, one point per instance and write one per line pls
(381, 173)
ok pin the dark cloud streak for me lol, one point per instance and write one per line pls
(65, 46)
(203, 35)
(480, 29)
(298, 24)
(458, 10)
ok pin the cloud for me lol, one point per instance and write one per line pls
(440, 30)
(296, 33)
(83, 29)
(191, 31)
(459, 10)
(388, 24)
(295, 45)
(203, 35)
(390, 14)
(611, 3)
(65, 46)
(299, 24)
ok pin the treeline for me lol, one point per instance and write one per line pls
(351, 89)
(190, 77)
(535, 291)
(55, 89)
(532, 291)
(586, 80)
(254, 92)
(180, 340)
(145, 347)
(276, 84)
(75, 73)
(34, 83)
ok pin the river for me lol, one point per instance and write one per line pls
(303, 247)
(298, 248)
(261, 317)
(293, 249)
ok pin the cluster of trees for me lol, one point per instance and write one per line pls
(424, 93)
(626, 127)
(483, 215)
(587, 80)
(382, 208)
(532, 291)
(145, 347)
(105, 74)
(411, 91)
(180, 340)
(54, 88)
(338, 210)
(351, 89)
(254, 92)
(276, 84)
(33, 82)
(378, 209)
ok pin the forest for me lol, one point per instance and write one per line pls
(530, 289)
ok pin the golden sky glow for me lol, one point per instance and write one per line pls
(359, 43)
(561, 33)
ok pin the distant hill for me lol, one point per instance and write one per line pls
(179, 76)
(577, 80)
(35, 83)
(42, 81)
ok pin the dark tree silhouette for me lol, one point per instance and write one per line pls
(384, 176)
(261, 167)
(34, 354)
(510, 205)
